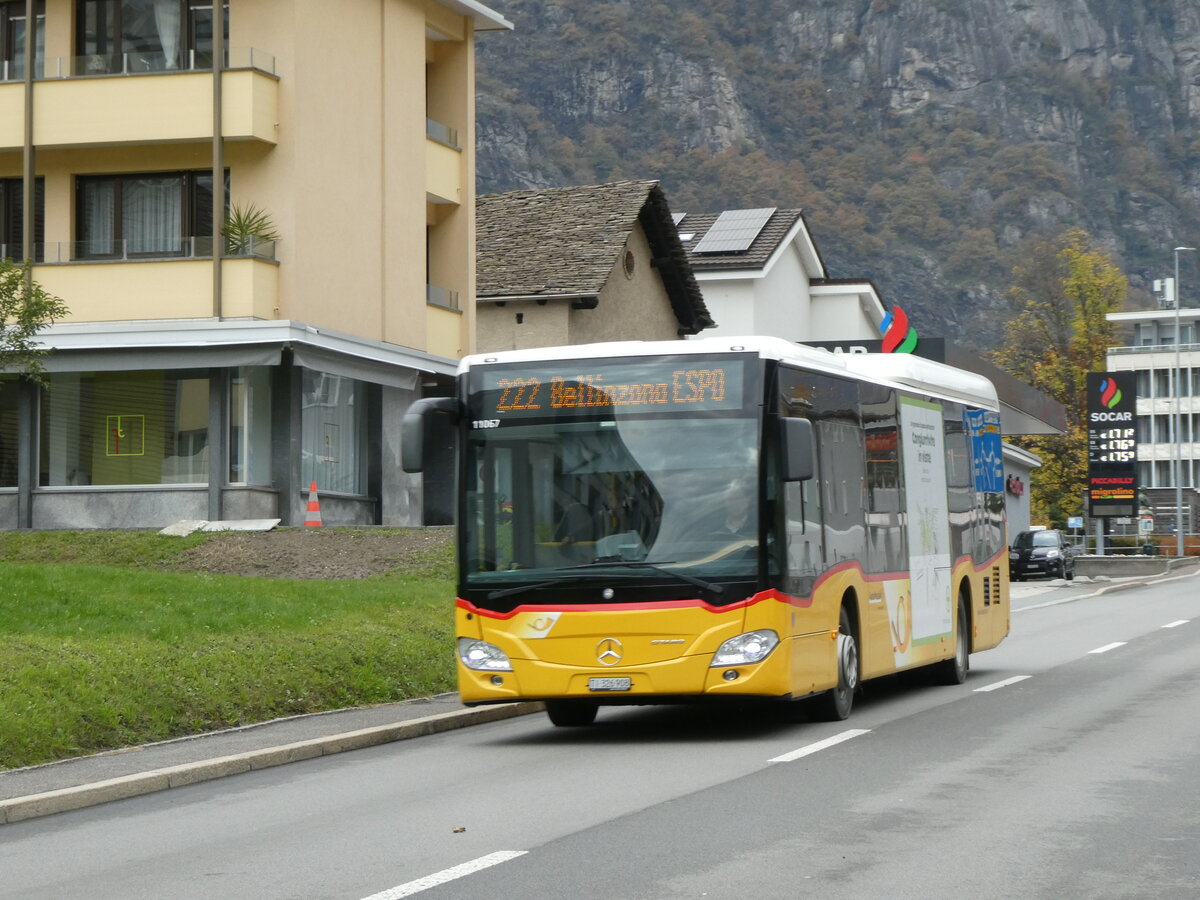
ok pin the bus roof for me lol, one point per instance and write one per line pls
(900, 370)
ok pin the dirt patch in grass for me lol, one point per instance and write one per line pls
(327, 553)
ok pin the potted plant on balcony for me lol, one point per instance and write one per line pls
(249, 231)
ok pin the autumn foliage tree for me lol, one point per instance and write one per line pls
(1064, 289)
(25, 309)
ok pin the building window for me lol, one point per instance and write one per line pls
(144, 35)
(334, 433)
(145, 215)
(1162, 474)
(1162, 382)
(9, 430)
(12, 40)
(1162, 429)
(148, 427)
(12, 218)
(1145, 433)
(1143, 384)
(250, 426)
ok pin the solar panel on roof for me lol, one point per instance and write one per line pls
(677, 218)
(734, 231)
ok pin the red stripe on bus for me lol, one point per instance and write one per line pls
(696, 603)
(771, 594)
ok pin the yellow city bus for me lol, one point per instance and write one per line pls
(670, 522)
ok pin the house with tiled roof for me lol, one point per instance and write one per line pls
(761, 273)
(576, 265)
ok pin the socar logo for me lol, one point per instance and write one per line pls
(898, 336)
(1110, 394)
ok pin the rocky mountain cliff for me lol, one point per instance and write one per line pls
(925, 139)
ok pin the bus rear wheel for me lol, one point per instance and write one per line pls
(954, 669)
(571, 713)
(835, 704)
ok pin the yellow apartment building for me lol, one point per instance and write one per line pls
(193, 385)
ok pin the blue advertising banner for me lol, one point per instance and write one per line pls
(987, 454)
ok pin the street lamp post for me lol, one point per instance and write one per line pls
(1178, 417)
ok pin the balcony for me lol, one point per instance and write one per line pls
(443, 164)
(442, 297)
(137, 103)
(109, 250)
(1154, 348)
(128, 286)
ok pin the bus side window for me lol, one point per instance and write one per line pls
(840, 449)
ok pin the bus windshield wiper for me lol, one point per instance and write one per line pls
(657, 567)
(567, 579)
(553, 582)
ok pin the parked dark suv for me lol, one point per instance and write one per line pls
(1044, 552)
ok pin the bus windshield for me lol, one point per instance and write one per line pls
(548, 501)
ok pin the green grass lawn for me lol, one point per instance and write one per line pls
(104, 647)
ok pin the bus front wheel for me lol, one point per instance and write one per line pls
(954, 669)
(834, 705)
(571, 713)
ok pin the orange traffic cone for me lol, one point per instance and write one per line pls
(313, 519)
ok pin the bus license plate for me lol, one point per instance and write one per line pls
(609, 684)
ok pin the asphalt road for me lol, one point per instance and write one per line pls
(1063, 767)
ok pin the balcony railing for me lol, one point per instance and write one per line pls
(146, 63)
(443, 134)
(1154, 348)
(14, 70)
(106, 250)
(16, 252)
(440, 296)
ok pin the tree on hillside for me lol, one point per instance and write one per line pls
(25, 309)
(1065, 288)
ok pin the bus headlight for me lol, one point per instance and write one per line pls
(751, 647)
(482, 656)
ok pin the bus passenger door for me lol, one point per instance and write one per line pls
(927, 520)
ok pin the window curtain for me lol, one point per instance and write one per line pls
(167, 18)
(151, 211)
(333, 433)
(98, 213)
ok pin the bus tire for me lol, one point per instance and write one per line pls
(835, 704)
(571, 713)
(954, 670)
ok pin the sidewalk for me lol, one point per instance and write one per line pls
(90, 780)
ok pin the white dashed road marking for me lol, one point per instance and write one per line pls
(820, 745)
(1000, 684)
(467, 868)
(1107, 647)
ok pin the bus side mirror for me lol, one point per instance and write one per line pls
(797, 449)
(412, 430)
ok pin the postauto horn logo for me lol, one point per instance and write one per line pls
(1110, 394)
(898, 336)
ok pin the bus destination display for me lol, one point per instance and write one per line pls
(585, 387)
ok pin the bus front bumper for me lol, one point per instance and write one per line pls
(680, 679)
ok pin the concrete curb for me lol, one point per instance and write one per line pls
(34, 806)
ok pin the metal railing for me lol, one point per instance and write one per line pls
(440, 296)
(192, 247)
(443, 134)
(144, 63)
(12, 70)
(1154, 348)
